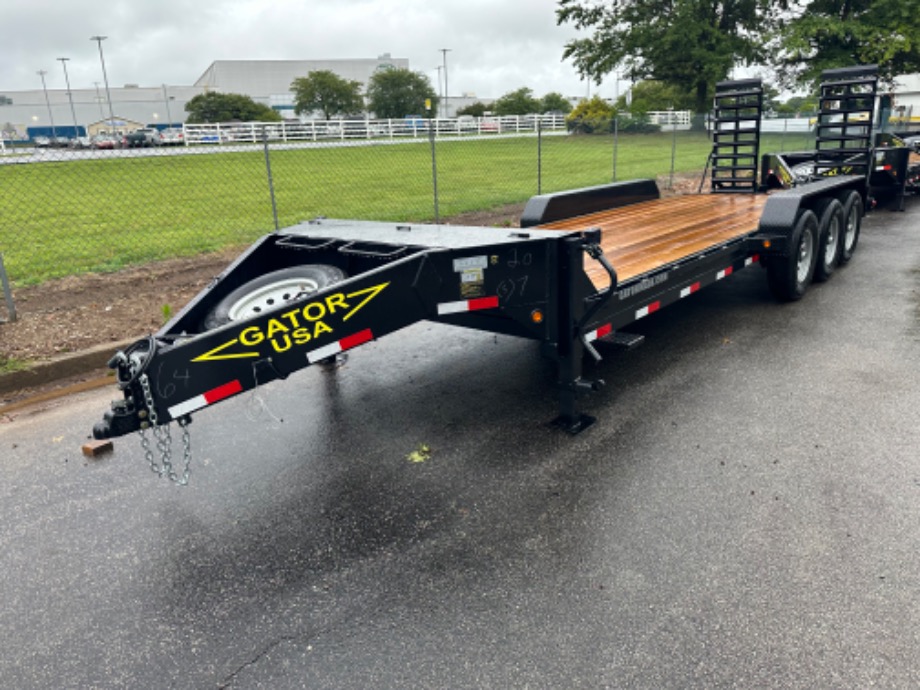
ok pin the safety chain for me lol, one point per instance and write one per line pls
(163, 440)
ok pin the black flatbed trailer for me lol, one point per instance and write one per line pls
(583, 266)
(544, 282)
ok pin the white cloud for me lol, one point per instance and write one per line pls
(494, 46)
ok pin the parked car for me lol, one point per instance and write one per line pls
(173, 136)
(489, 124)
(104, 141)
(81, 143)
(467, 123)
(142, 138)
(41, 142)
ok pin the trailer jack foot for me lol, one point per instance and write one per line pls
(573, 425)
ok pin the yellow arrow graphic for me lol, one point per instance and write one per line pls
(213, 356)
(371, 293)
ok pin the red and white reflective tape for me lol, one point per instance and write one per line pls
(724, 273)
(209, 398)
(468, 305)
(689, 290)
(335, 348)
(650, 309)
(883, 168)
(751, 260)
(599, 333)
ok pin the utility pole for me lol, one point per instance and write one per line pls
(168, 115)
(445, 51)
(76, 128)
(99, 101)
(440, 93)
(42, 74)
(105, 77)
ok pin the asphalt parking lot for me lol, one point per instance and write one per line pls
(744, 513)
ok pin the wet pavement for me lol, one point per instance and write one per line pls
(744, 513)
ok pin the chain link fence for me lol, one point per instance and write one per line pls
(66, 211)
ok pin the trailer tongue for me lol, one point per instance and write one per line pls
(584, 265)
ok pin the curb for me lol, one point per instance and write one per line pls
(91, 361)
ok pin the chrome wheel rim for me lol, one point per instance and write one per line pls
(271, 296)
(833, 237)
(852, 224)
(806, 249)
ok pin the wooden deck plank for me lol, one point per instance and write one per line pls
(642, 237)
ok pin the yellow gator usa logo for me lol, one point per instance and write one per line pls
(294, 328)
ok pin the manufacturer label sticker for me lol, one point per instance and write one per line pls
(470, 262)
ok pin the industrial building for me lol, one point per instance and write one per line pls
(265, 81)
(269, 81)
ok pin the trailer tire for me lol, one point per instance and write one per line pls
(788, 276)
(830, 237)
(852, 222)
(270, 291)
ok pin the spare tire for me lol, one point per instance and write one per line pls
(269, 291)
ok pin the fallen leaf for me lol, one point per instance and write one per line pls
(420, 454)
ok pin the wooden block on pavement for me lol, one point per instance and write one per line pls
(92, 449)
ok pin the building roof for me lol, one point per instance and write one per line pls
(266, 78)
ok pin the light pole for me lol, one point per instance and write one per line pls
(445, 51)
(440, 93)
(76, 130)
(105, 77)
(42, 74)
(99, 101)
(166, 98)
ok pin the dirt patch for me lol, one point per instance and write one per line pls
(74, 313)
(77, 312)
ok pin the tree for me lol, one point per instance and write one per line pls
(690, 44)
(797, 105)
(520, 102)
(826, 34)
(326, 91)
(555, 101)
(477, 109)
(224, 107)
(591, 116)
(399, 92)
(655, 95)
(771, 102)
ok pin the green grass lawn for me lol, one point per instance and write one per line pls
(75, 216)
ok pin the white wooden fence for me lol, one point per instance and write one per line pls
(344, 130)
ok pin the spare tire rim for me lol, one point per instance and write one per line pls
(271, 296)
(806, 248)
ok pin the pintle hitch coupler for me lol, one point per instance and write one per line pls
(128, 414)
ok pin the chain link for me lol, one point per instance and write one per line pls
(163, 440)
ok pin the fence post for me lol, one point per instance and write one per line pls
(434, 173)
(673, 151)
(539, 157)
(616, 141)
(268, 170)
(10, 305)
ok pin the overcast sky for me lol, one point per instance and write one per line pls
(496, 46)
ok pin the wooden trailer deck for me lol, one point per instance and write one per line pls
(639, 238)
